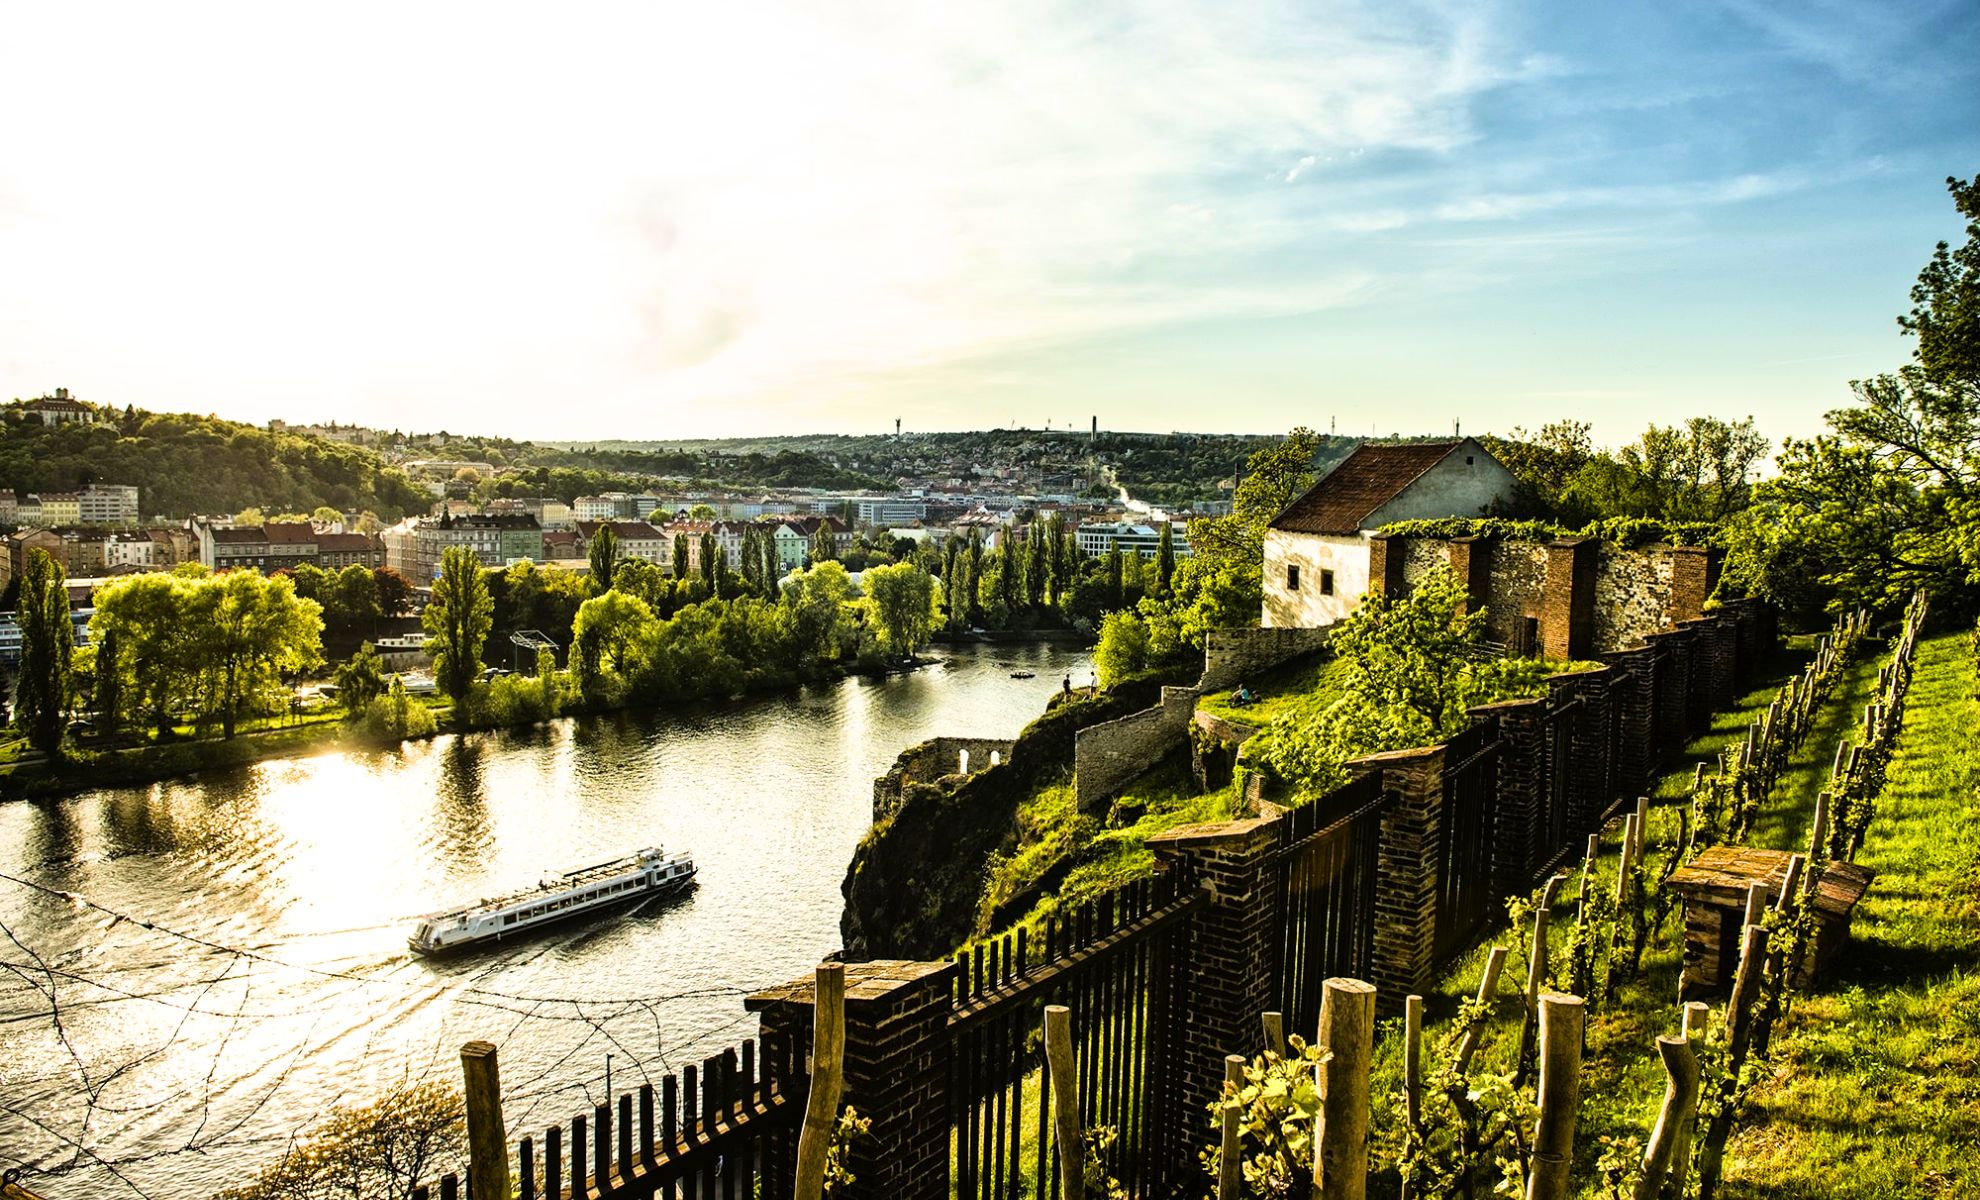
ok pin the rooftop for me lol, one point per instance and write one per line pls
(1373, 475)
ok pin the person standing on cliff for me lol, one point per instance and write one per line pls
(1067, 685)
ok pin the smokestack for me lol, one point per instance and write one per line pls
(897, 428)
(1096, 426)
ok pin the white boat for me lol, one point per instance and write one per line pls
(649, 872)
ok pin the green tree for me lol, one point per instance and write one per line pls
(107, 697)
(354, 599)
(41, 694)
(393, 592)
(457, 621)
(702, 512)
(1945, 302)
(824, 547)
(1165, 558)
(360, 680)
(381, 1149)
(147, 616)
(1123, 649)
(604, 557)
(249, 631)
(900, 607)
(612, 642)
(680, 556)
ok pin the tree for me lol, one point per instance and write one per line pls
(604, 557)
(325, 515)
(1888, 501)
(458, 621)
(248, 631)
(381, 1149)
(824, 546)
(41, 696)
(702, 512)
(817, 599)
(146, 615)
(1116, 594)
(612, 641)
(394, 593)
(107, 698)
(680, 556)
(900, 607)
(708, 559)
(360, 680)
(1123, 649)
(354, 598)
(1165, 558)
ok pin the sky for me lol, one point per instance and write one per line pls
(662, 219)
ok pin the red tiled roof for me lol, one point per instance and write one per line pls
(290, 533)
(347, 543)
(1372, 476)
(634, 531)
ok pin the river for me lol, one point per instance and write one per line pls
(274, 981)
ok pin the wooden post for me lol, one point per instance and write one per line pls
(1536, 973)
(1275, 1032)
(1679, 1108)
(1488, 984)
(1788, 883)
(1347, 1033)
(1746, 989)
(488, 1140)
(1697, 1015)
(1065, 1101)
(1230, 1173)
(1642, 824)
(1627, 861)
(1818, 838)
(1756, 902)
(1413, 1059)
(1587, 873)
(828, 1064)
(1559, 1096)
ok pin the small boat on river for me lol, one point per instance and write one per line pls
(1024, 674)
(638, 876)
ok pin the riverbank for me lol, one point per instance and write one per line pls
(87, 769)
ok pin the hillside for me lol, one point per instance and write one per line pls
(183, 464)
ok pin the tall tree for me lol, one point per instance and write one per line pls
(108, 697)
(41, 696)
(1165, 557)
(900, 606)
(708, 561)
(604, 557)
(1116, 593)
(458, 620)
(248, 632)
(680, 556)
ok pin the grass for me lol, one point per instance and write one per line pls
(1279, 690)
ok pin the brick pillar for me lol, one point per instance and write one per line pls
(1227, 980)
(1673, 685)
(896, 1073)
(1522, 790)
(1694, 573)
(1567, 601)
(1635, 692)
(1406, 886)
(1471, 559)
(1385, 565)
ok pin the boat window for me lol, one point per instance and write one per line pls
(510, 919)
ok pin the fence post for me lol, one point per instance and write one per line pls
(1066, 1122)
(1347, 1033)
(896, 1064)
(1559, 1096)
(1230, 1164)
(828, 1060)
(1679, 1107)
(488, 1141)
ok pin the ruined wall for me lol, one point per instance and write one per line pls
(932, 760)
(1108, 755)
(1230, 655)
(1420, 557)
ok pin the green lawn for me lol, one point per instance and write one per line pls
(1278, 690)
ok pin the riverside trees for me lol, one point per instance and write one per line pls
(215, 647)
(41, 700)
(457, 621)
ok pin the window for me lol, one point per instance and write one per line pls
(1292, 579)
(1326, 583)
(509, 919)
(1470, 460)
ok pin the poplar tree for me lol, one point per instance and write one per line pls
(41, 697)
(680, 556)
(708, 561)
(751, 553)
(1165, 558)
(604, 558)
(458, 620)
(1116, 586)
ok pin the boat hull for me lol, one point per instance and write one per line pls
(564, 917)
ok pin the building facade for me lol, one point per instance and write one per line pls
(1097, 538)
(108, 504)
(498, 539)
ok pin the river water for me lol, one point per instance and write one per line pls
(273, 980)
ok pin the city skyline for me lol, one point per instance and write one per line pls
(647, 224)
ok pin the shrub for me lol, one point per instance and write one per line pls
(394, 716)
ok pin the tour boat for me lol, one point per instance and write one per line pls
(649, 872)
(1024, 674)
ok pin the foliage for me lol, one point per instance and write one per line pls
(41, 696)
(457, 621)
(379, 1150)
(604, 556)
(1698, 471)
(850, 1128)
(900, 606)
(1278, 1106)
(1407, 677)
(1627, 533)
(394, 717)
(1887, 501)
(612, 642)
(1123, 649)
(359, 680)
(182, 463)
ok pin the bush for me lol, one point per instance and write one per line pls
(394, 717)
(513, 700)
(378, 1149)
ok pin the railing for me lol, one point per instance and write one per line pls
(1466, 894)
(1113, 962)
(712, 1130)
(1324, 882)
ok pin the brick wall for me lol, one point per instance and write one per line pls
(1387, 556)
(1406, 884)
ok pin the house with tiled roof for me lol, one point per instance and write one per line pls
(1319, 549)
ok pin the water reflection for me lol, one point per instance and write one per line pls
(314, 865)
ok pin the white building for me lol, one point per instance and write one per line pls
(869, 511)
(1098, 537)
(108, 504)
(1318, 551)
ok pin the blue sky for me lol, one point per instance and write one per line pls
(660, 220)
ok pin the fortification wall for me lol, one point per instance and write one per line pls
(935, 759)
(1632, 596)
(1230, 655)
(1108, 755)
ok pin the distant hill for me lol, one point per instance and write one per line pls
(183, 464)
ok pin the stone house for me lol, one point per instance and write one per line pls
(1318, 550)
(637, 539)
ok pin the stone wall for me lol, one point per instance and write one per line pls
(1231, 655)
(935, 759)
(1632, 596)
(1108, 755)
(1422, 556)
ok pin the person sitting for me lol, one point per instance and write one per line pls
(1243, 696)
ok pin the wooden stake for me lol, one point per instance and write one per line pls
(1413, 1059)
(1488, 985)
(1746, 989)
(1697, 1016)
(1756, 903)
(1819, 835)
(1559, 1096)
(1230, 1172)
(1347, 1033)
(488, 1140)
(1642, 824)
(828, 1064)
(1275, 1032)
(1627, 860)
(1065, 1101)
(1679, 1110)
(1536, 972)
(1788, 883)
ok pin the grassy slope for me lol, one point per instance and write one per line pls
(1876, 1088)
